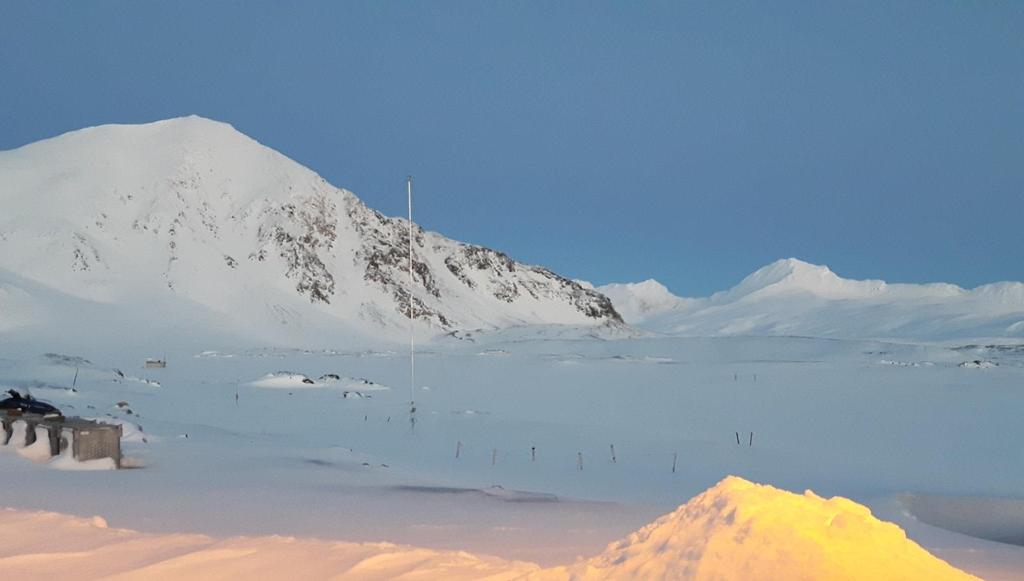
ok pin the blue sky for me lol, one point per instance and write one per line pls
(690, 142)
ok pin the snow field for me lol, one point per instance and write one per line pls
(735, 530)
(308, 462)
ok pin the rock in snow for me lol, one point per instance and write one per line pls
(735, 530)
(193, 216)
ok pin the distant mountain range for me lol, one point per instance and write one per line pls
(792, 297)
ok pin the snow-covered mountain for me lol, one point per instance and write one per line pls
(640, 301)
(792, 297)
(187, 225)
(187, 221)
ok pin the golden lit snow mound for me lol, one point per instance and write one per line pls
(742, 530)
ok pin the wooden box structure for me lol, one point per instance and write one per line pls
(88, 439)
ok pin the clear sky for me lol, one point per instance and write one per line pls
(690, 142)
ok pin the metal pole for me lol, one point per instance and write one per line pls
(412, 335)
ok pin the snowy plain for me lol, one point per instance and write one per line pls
(835, 416)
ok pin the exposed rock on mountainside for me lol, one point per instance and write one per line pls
(194, 214)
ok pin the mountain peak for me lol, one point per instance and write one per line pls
(189, 157)
(795, 266)
(191, 119)
(795, 275)
(194, 126)
(638, 300)
(190, 122)
(189, 128)
(792, 270)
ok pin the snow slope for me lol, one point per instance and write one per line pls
(735, 530)
(792, 297)
(188, 218)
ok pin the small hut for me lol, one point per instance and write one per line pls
(153, 363)
(87, 439)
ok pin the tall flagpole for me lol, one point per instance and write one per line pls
(412, 329)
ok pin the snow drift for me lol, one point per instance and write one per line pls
(735, 530)
(44, 545)
(741, 530)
